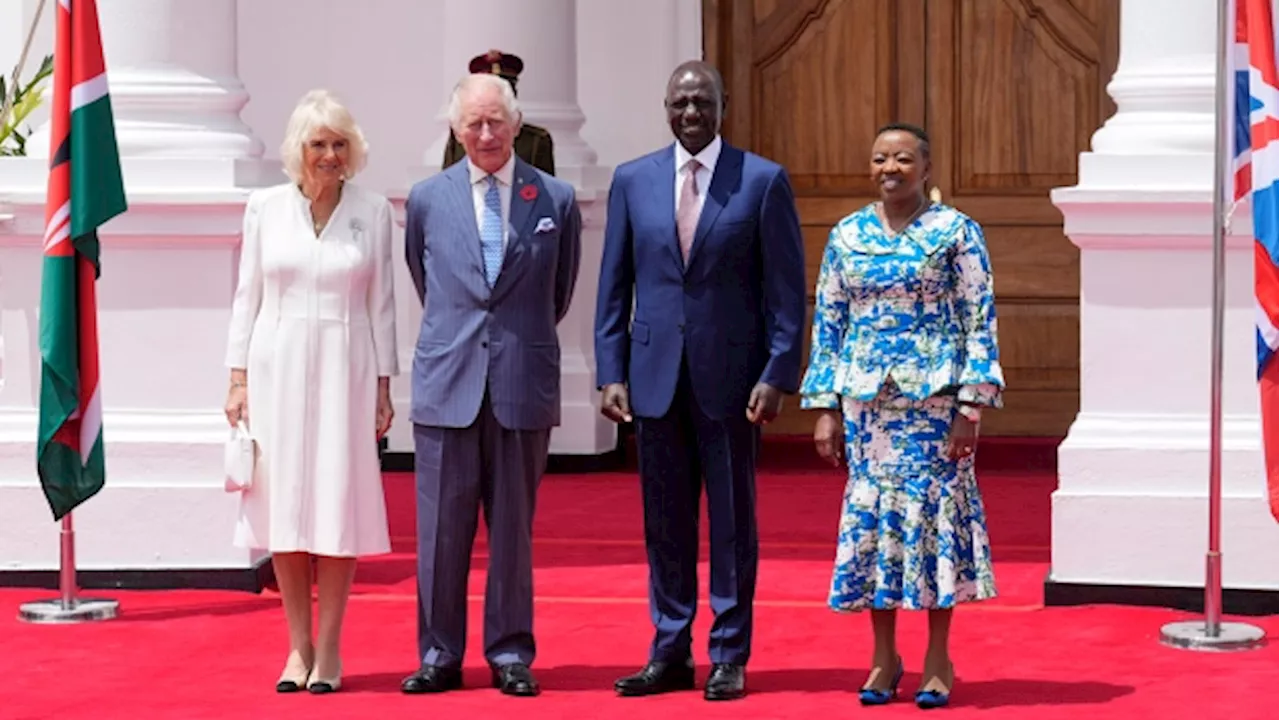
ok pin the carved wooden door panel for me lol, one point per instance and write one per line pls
(1010, 92)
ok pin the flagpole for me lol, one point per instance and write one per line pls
(69, 607)
(67, 566)
(1212, 633)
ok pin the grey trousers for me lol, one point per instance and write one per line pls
(459, 472)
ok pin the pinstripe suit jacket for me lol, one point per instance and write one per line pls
(502, 339)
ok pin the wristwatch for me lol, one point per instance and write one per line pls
(972, 413)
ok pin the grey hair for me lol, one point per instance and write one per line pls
(316, 110)
(470, 85)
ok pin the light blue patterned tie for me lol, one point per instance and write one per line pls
(491, 231)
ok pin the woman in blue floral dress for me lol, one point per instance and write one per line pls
(904, 357)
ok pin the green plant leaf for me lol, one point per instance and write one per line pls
(44, 71)
(13, 142)
(25, 106)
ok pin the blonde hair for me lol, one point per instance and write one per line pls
(470, 84)
(320, 109)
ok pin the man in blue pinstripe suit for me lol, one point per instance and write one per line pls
(493, 246)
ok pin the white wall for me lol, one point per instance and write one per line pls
(623, 99)
(384, 63)
(15, 21)
(10, 35)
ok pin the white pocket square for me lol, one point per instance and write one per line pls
(546, 224)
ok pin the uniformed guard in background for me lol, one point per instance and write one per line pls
(533, 144)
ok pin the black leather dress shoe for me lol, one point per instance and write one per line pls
(726, 682)
(656, 677)
(515, 679)
(432, 679)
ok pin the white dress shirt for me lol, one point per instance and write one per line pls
(707, 159)
(479, 186)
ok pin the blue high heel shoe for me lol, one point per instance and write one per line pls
(931, 699)
(872, 696)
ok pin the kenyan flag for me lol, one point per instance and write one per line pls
(85, 190)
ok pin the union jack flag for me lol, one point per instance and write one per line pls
(1255, 168)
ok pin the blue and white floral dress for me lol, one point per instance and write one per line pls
(905, 327)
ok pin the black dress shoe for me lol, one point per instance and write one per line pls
(432, 679)
(656, 677)
(726, 682)
(515, 679)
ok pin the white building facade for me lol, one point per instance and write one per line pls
(202, 91)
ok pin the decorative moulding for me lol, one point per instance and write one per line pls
(18, 425)
(1148, 431)
(171, 200)
(1146, 219)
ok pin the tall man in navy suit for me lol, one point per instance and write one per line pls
(493, 246)
(704, 239)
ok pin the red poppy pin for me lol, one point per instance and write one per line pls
(529, 193)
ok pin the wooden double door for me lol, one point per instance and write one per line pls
(1010, 91)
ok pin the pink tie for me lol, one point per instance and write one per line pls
(687, 212)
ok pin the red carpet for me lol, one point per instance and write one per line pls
(191, 654)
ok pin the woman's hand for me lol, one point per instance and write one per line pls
(237, 408)
(828, 437)
(964, 437)
(386, 412)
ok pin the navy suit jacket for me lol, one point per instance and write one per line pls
(735, 313)
(501, 338)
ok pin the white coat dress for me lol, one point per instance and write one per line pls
(313, 322)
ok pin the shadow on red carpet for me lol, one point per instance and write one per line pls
(194, 654)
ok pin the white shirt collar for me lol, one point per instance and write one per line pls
(506, 174)
(707, 158)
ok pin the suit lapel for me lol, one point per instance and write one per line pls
(465, 207)
(723, 181)
(523, 201)
(665, 200)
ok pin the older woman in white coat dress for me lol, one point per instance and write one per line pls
(312, 348)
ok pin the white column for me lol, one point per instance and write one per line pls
(544, 35)
(1164, 84)
(174, 84)
(12, 35)
(1163, 130)
(168, 273)
(1131, 507)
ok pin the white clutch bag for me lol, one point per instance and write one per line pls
(239, 457)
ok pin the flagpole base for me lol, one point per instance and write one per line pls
(54, 612)
(1194, 635)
